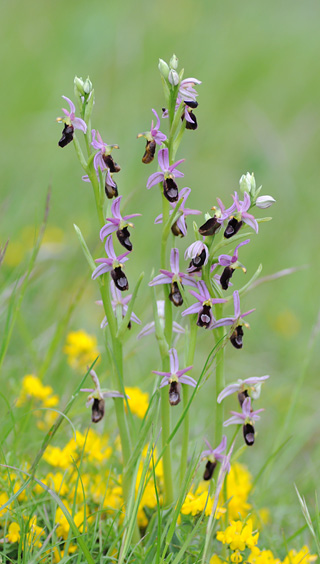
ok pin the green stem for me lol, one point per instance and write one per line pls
(186, 424)
(165, 433)
(220, 383)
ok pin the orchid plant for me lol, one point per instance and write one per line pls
(207, 272)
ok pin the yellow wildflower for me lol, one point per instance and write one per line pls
(262, 557)
(35, 533)
(81, 349)
(138, 401)
(14, 532)
(196, 502)
(239, 484)
(215, 559)
(32, 387)
(236, 557)
(3, 499)
(238, 535)
(303, 556)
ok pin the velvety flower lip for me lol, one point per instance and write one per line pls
(117, 300)
(241, 385)
(167, 169)
(71, 118)
(181, 221)
(227, 260)
(247, 416)
(104, 151)
(237, 314)
(242, 211)
(215, 454)
(214, 223)
(96, 392)
(175, 375)
(117, 221)
(203, 298)
(199, 254)
(149, 328)
(167, 276)
(108, 264)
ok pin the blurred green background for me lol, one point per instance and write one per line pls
(258, 111)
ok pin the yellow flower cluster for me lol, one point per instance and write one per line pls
(138, 401)
(81, 350)
(238, 536)
(93, 447)
(239, 484)
(32, 388)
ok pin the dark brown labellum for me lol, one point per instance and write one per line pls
(199, 260)
(120, 279)
(67, 135)
(209, 227)
(205, 317)
(129, 325)
(174, 393)
(248, 434)
(232, 228)
(97, 410)
(111, 164)
(170, 190)
(236, 337)
(175, 295)
(149, 152)
(191, 103)
(210, 467)
(176, 230)
(242, 396)
(225, 277)
(123, 237)
(111, 191)
(194, 124)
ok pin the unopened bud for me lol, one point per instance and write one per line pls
(173, 77)
(79, 85)
(163, 68)
(174, 62)
(87, 86)
(264, 202)
(248, 183)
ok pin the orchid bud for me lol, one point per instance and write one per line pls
(87, 86)
(173, 77)
(248, 183)
(174, 62)
(79, 85)
(163, 68)
(264, 202)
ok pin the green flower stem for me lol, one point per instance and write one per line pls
(220, 382)
(186, 424)
(165, 433)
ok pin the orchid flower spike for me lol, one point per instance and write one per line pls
(203, 307)
(250, 387)
(112, 264)
(166, 176)
(175, 378)
(180, 227)
(119, 224)
(236, 321)
(71, 122)
(173, 277)
(150, 327)
(247, 419)
(96, 398)
(213, 455)
(153, 137)
(230, 263)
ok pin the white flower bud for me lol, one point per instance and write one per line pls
(264, 202)
(173, 77)
(174, 62)
(163, 68)
(87, 86)
(256, 391)
(248, 183)
(79, 85)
